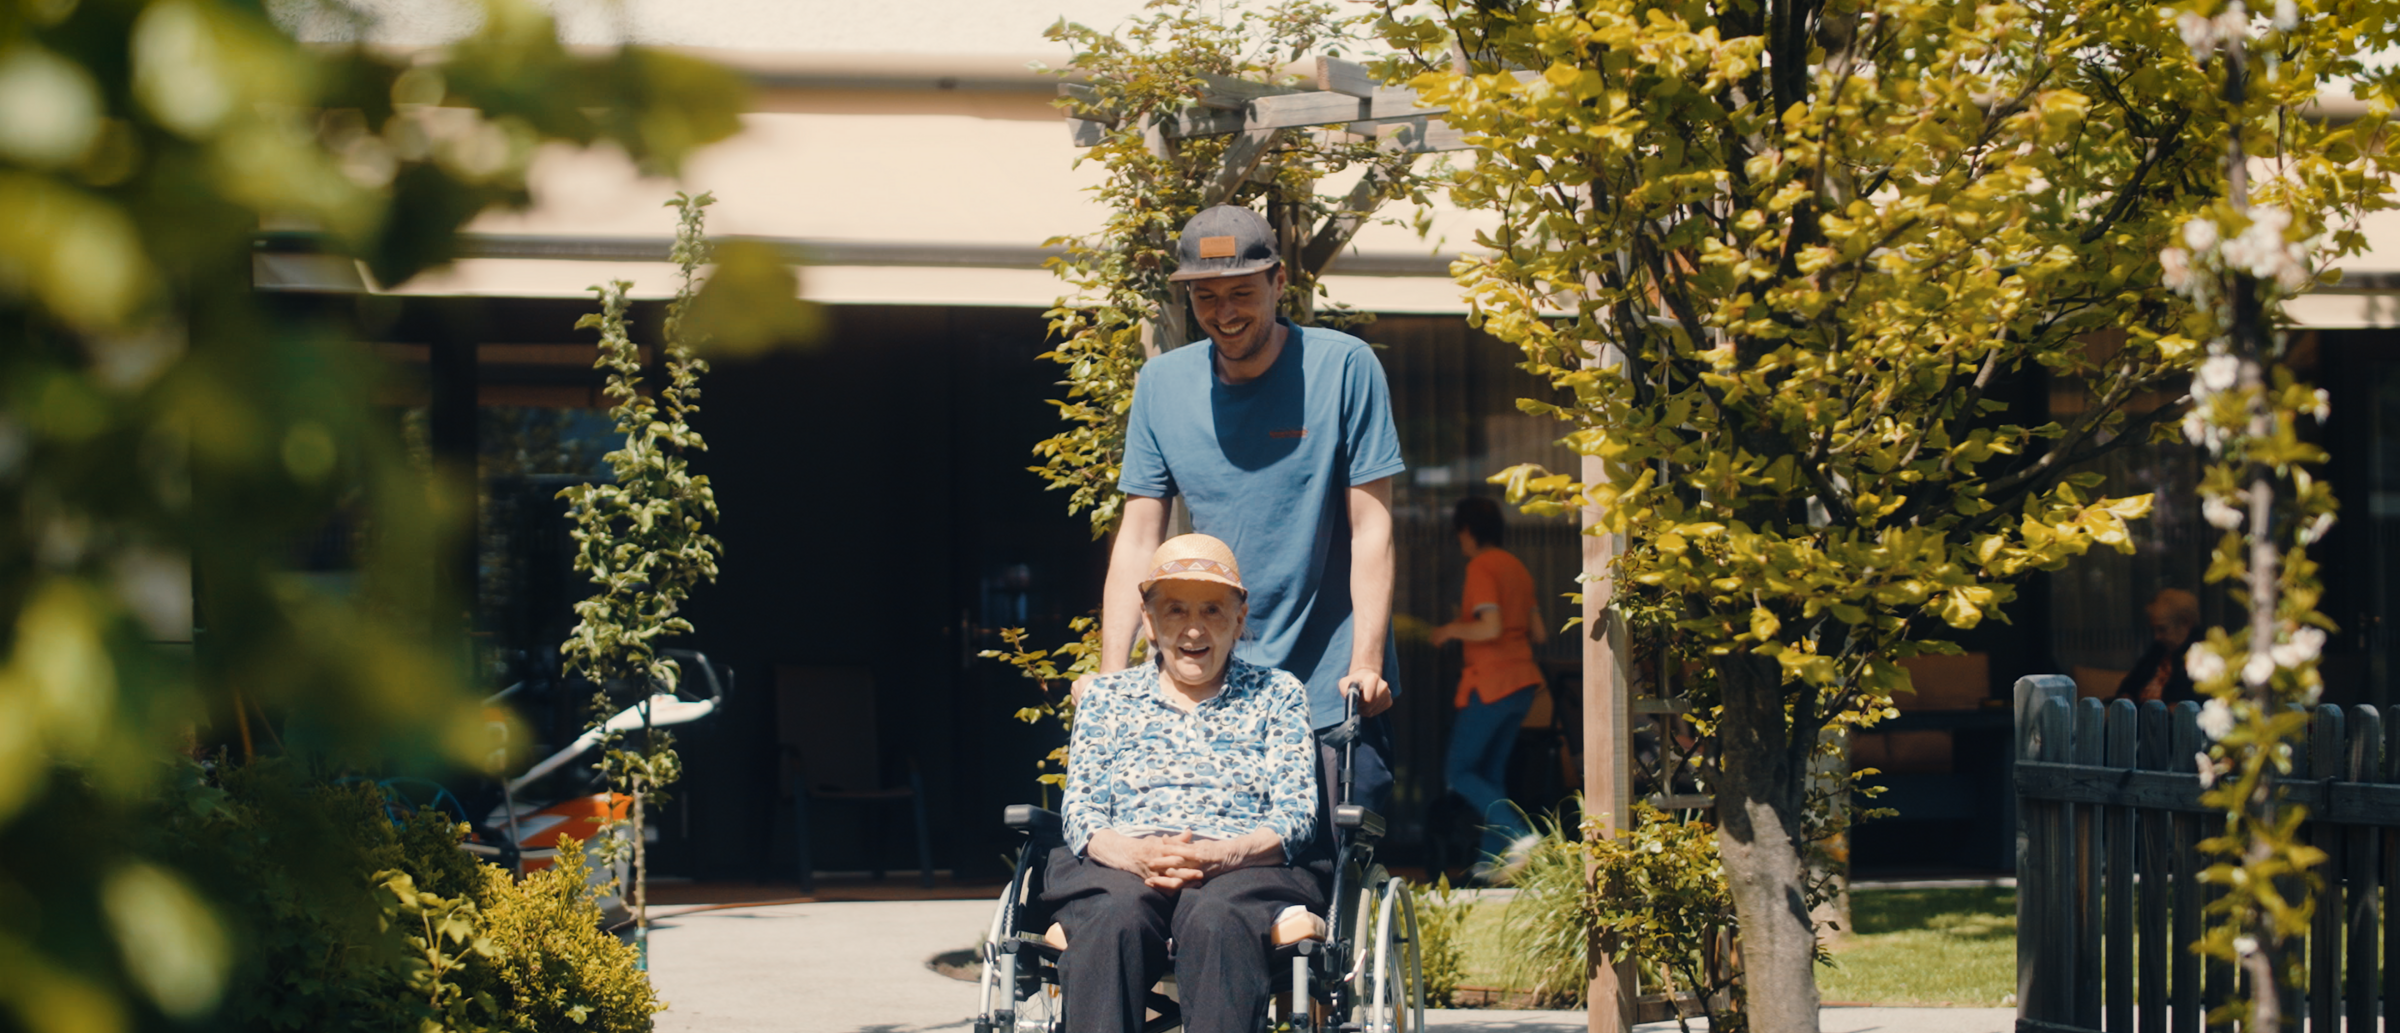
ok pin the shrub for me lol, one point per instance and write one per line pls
(557, 968)
(1441, 920)
(1659, 890)
(343, 921)
(1543, 931)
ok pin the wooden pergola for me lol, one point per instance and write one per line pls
(1349, 105)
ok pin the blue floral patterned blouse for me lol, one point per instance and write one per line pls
(1241, 761)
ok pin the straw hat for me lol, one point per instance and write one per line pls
(1194, 557)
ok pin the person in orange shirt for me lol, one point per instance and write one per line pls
(1497, 627)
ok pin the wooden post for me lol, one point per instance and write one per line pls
(1607, 727)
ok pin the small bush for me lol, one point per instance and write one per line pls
(1544, 930)
(1441, 919)
(557, 969)
(342, 921)
(1658, 890)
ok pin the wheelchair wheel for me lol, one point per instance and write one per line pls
(1012, 997)
(1393, 990)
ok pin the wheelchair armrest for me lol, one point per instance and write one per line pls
(1368, 824)
(1041, 823)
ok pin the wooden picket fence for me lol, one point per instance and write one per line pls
(2109, 897)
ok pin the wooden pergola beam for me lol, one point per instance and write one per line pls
(1335, 75)
(1229, 106)
(1241, 157)
(1336, 231)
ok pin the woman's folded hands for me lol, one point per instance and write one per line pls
(1172, 862)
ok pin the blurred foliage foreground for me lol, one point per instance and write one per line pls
(330, 916)
(167, 439)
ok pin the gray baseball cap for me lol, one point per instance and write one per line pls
(1227, 240)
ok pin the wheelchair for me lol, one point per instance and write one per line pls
(1358, 973)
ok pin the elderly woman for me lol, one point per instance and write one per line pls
(1191, 789)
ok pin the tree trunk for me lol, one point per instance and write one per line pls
(641, 881)
(1761, 787)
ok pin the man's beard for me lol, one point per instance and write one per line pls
(1257, 337)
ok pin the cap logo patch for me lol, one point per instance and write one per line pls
(1216, 247)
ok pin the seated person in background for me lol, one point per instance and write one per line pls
(2174, 620)
(1191, 789)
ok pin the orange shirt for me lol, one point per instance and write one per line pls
(1503, 666)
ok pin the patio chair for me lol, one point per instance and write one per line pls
(827, 738)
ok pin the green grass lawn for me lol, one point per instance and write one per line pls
(1910, 947)
(1925, 947)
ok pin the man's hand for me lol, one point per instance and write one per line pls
(1374, 694)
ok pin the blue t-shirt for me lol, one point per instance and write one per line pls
(1265, 466)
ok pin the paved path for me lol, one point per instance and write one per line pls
(860, 968)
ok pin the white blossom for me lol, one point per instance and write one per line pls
(2303, 646)
(2273, 217)
(2199, 33)
(2216, 719)
(2217, 373)
(2257, 669)
(2220, 514)
(2200, 235)
(2204, 35)
(2203, 663)
(2199, 431)
(2323, 410)
(2245, 945)
(2316, 529)
(2234, 23)
(2287, 15)
(2174, 269)
(2208, 769)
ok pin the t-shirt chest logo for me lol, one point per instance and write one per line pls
(1288, 433)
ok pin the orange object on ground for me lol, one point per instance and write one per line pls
(1500, 667)
(580, 817)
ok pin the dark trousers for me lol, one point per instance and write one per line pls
(1118, 928)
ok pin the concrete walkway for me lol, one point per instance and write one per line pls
(860, 968)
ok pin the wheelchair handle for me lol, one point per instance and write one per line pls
(1350, 748)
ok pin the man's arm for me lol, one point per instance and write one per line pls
(1371, 563)
(1140, 529)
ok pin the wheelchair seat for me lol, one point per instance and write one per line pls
(1353, 968)
(1288, 930)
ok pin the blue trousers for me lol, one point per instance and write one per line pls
(1478, 766)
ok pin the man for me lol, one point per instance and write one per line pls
(1499, 622)
(1280, 440)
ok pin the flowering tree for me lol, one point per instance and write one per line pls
(2236, 262)
(1782, 254)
